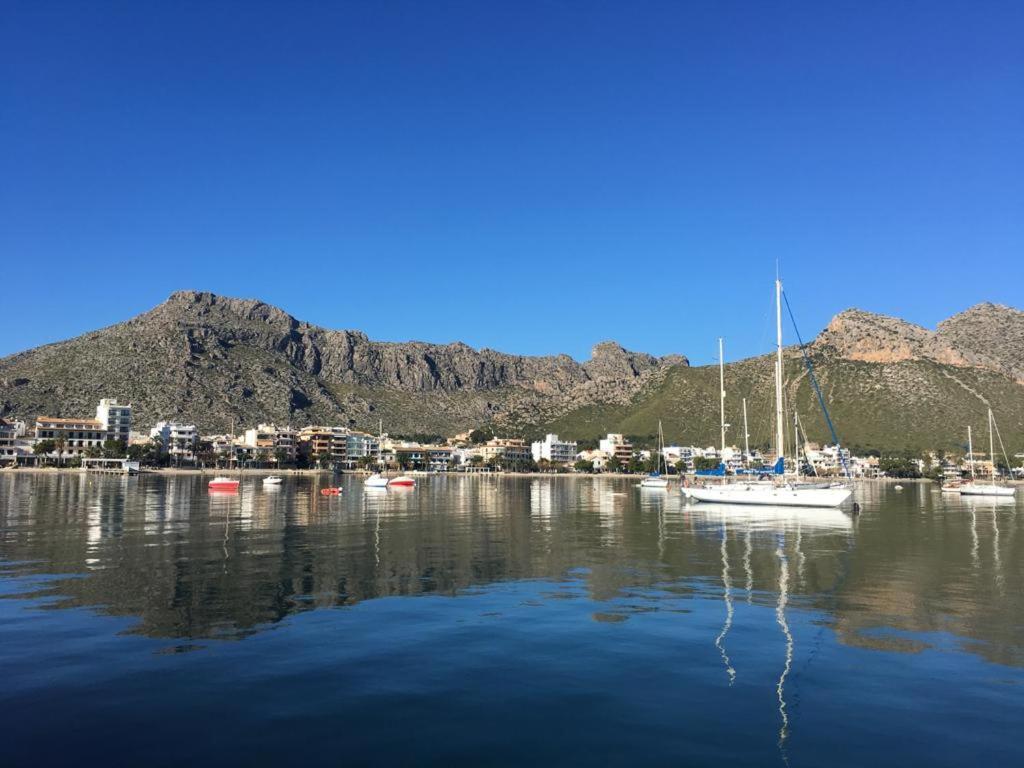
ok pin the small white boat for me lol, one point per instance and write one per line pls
(654, 481)
(272, 480)
(897, 487)
(376, 480)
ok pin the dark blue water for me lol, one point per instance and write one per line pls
(482, 621)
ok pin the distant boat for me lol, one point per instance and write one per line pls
(974, 488)
(655, 479)
(402, 481)
(376, 480)
(272, 480)
(784, 492)
(222, 483)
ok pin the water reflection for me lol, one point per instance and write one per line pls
(186, 564)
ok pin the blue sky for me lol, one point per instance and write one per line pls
(531, 177)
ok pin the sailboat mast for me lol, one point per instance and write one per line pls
(662, 461)
(746, 433)
(991, 445)
(779, 437)
(970, 451)
(796, 440)
(721, 390)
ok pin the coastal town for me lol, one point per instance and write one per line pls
(112, 441)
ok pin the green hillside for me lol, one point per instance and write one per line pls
(910, 405)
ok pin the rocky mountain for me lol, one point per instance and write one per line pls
(985, 336)
(216, 360)
(888, 384)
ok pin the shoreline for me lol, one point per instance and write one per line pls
(189, 471)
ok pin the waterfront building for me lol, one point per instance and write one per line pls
(360, 445)
(73, 437)
(8, 441)
(116, 418)
(828, 461)
(598, 458)
(505, 450)
(177, 441)
(618, 447)
(267, 441)
(330, 442)
(680, 453)
(554, 450)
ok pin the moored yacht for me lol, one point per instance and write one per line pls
(974, 488)
(781, 491)
(656, 480)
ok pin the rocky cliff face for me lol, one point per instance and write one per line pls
(985, 336)
(213, 359)
(993, 335)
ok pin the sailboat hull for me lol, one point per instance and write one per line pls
(763, 494)
(979, 489)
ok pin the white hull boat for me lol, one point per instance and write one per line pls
(780, 493)
(656, 480)
(984, 489)
(974, 488)
(786, 495)
(376, 481)
(272, 480)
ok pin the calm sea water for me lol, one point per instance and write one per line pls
(489, 621)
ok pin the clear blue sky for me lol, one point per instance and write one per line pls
(532, 177)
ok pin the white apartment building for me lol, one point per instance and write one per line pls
(266, 440)
(73, 437)
(360, 445)
(116, 417)
(178, 441)
(554, 450)
(617, 446)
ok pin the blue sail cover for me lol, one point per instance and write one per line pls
(718, 471)
(778, 468)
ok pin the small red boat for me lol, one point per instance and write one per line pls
(330, 491)
(402, 481)
(224, 485)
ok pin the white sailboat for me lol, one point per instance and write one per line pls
(377, 479)
(974, 488)
(656, 479)
(784, 492)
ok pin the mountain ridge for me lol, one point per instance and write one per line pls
(216, 360)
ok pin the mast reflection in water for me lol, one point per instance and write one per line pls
(499, 620)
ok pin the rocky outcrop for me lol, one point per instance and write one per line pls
(985, 336)
(992, 334)
(871, 338)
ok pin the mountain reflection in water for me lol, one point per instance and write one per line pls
(568, 580)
